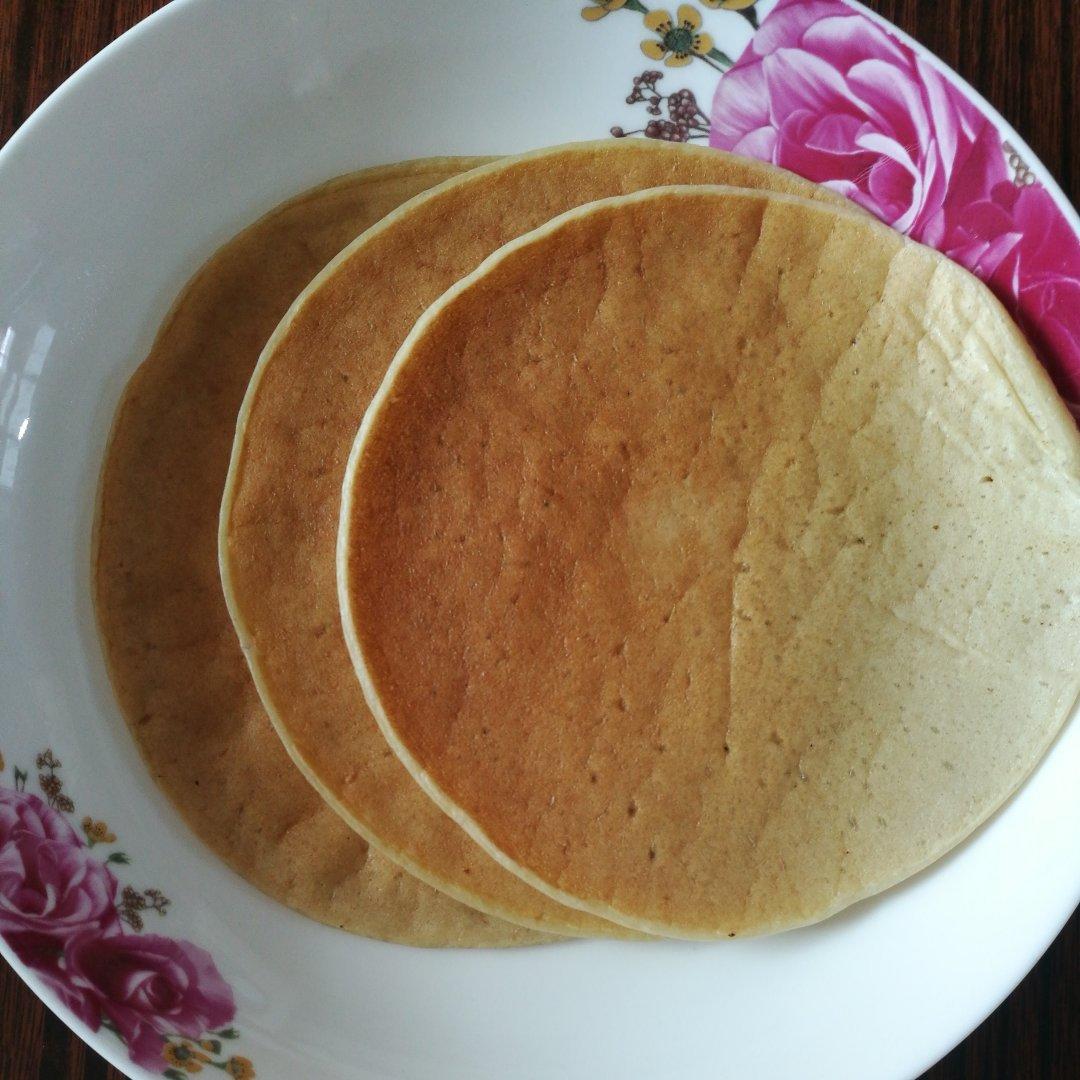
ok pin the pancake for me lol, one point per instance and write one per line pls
(174, 660)
(713, 557)
(280, 511)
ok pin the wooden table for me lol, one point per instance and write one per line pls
(1024, 58)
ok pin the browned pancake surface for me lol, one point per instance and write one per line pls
(301, 414)
(714, 557)
(173, 656)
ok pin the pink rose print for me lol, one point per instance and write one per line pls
(62, 913)
(50, 890)
(826, 92)
(45, 956)
(21, 812)
(150, 986)
(49, 884)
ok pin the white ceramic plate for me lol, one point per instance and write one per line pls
(116, 190)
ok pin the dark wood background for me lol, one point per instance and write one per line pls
(1023, 57)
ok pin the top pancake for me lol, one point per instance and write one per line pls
(279, 516)
(174, 660)
(714, 558)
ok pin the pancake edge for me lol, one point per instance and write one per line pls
(486, 166)
(1038, 400)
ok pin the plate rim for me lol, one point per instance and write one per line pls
(160, 22)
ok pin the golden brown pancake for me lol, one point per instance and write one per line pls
(280, 512)
(174, 660)
(714, 558)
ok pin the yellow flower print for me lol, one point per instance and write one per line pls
(239, 1068)
(181, 1056)
(679, 40)
(97, 832)
(601, 8)
(745, 8)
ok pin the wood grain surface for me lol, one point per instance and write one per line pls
(1023, 58)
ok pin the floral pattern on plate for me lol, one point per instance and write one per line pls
(829, 93)
(65, 915)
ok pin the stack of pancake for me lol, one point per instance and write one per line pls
(619, 540)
